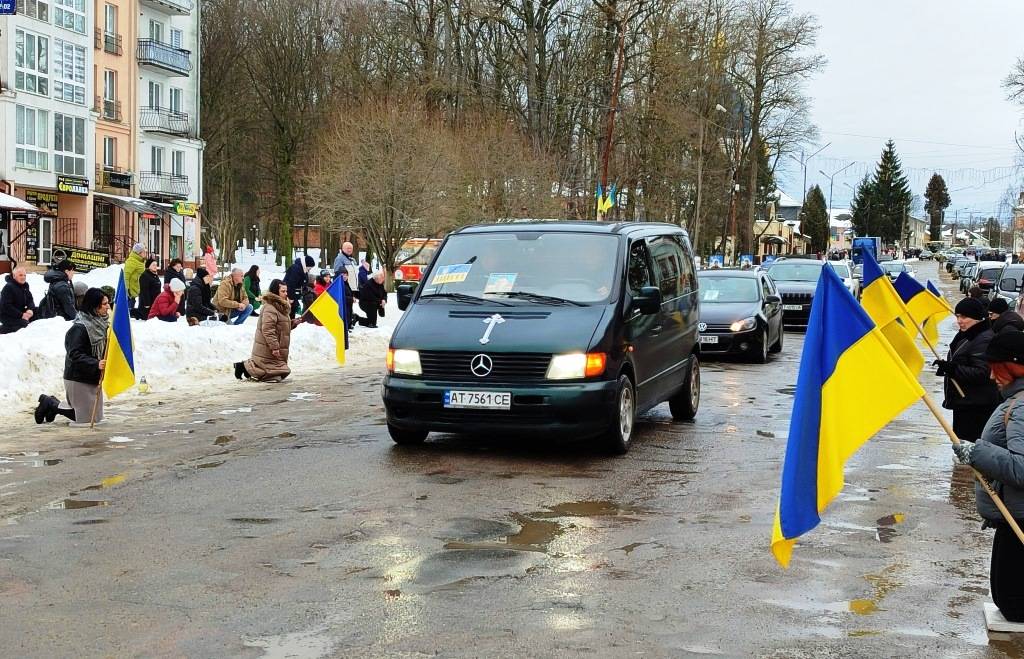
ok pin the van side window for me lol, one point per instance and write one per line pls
(638, 272)
(766, 288)
(687, 276)
(668, 265)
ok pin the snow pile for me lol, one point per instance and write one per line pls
(175, 355)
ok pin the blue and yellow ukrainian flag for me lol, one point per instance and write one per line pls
(119, 375)
(925, 309)
(883, 304)
(851, 384)
(332, 312)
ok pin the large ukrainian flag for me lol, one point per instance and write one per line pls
(851, 384)
(119, 375)
(924, 307)
(332, 312)
(883, 304)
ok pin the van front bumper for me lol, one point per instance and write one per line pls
(580, 409)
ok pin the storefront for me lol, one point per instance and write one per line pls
(119, 222)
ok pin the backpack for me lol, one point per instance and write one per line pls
(46, 308)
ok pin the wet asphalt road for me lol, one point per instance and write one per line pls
(280, 520)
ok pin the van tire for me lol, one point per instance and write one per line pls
(619, 434)
(404, 437)
(685, 403)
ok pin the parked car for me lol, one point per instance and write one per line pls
(926, 255)
(1011, 285)
(740, 313)
(507, 333)
(954, 263)
(894, 268)
(845, 271)
(796, 281)
(987, 274)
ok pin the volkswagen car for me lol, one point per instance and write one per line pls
(740, 313)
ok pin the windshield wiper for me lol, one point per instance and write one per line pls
(463, 297)
(543, 299)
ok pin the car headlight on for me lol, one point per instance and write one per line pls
(743, 325)
(404, 362)
(577, 365)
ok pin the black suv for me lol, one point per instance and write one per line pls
(796, 280)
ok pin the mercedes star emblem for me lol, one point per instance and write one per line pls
(702, 327)
(481, 366)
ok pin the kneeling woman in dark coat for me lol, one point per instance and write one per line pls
(269, 360)
(999, 456)
(86, 345)
(966, 367)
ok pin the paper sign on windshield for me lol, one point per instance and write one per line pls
(500, 282)
(451, 274)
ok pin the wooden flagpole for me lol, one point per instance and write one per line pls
(99, 388)
(920, 331)
(937, 412)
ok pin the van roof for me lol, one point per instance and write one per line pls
(571, 226)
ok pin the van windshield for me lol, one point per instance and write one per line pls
(532, 267)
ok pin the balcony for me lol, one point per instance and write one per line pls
(160, 186)
(113, 179)
(109, 43)
(108, 110)
(165, 57)
(178, 7)
(169, 122)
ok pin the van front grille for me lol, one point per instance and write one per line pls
(507, 366)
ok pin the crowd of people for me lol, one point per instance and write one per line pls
(182, 293)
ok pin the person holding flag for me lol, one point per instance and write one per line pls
(269, 360)
(332, 312)
(974, 395)
(84, 364)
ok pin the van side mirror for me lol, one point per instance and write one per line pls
(405, 292)
(773, 299)
(649, 300)
(1009, 285)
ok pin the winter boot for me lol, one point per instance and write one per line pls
(52, 408)
(41, 408)
(240, 371)
(192, 321)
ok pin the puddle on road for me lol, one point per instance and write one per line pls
(533, 535)
(224, 439)
(89, 522)
(75, 504)
(883, 583)
(588, 509)
(254, 520)
(787, 391)
(885, 533)
(109, 481)
(210, 465)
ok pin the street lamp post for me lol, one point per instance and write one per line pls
(803, 165)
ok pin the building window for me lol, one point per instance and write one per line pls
(110, 152)
(31, 67)
(175, 100)
(68, 145)
(31, 143)
(37, 9)
(109, 85)
(156, 31)
(110, 19)
(156, 158)
(176, 38)
(156, 94)
(69, 72)
(70, 15)
(178, 163)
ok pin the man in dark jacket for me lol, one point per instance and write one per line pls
(297, 279)
(149, 288)
(1008, 321)
(966, 366)
(199, 303)
(16, 305)
(61, 294)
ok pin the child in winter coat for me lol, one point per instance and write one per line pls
(165, 307)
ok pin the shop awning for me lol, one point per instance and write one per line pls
(131, 204)
(774, 240)
(10, 203)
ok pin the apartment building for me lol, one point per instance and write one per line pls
(99, 105)
(46, 122)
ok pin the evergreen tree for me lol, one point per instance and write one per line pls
(862, 207)
(937, 196)
(815, 218)
(892, 197)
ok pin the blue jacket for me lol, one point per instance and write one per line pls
(295, 279)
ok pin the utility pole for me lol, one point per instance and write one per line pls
(612, 107)
(803, 165)
(831, 186)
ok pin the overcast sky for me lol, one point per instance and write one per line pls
(926, 73)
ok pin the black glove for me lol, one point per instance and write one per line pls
(942, 365)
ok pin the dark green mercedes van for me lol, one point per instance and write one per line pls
(568, 329)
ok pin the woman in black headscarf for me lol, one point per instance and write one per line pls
(86, 345)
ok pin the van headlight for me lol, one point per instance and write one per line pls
(404, 362)
(577, 365)
(743, 325)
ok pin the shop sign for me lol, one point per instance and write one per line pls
(72, 185)
(118, 180)
(186, 208)
(84, 259)
(46, 202)
(32, 242)
(8, 7)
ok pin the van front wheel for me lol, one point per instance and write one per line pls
(620, 429)
(404, 437)
(685, 403)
